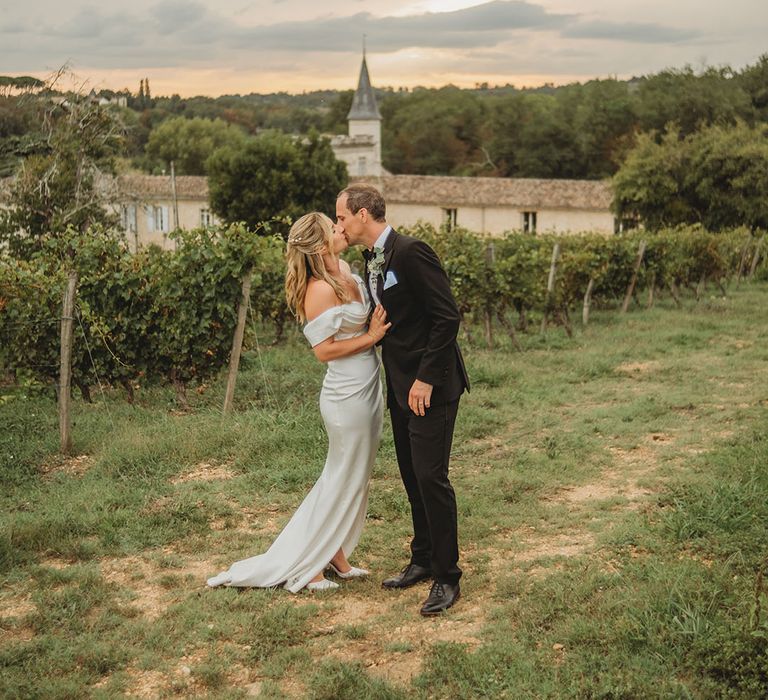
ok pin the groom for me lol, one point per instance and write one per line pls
(425, 378)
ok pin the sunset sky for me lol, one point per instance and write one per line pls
(193, 47)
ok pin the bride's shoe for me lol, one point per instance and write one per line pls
(354, 572)
(322, 585)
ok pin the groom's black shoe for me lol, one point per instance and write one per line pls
(410, 575)
(441, 597)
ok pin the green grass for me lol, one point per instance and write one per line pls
(613, 502)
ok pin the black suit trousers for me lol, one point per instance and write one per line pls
(423, 447)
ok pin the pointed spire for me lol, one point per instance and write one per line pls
(364, 102)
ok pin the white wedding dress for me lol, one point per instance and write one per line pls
(332, 515)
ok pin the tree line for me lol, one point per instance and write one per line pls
(574, 131)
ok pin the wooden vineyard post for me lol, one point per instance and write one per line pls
(490, 258)
(652, 289)
(550, 285)
(633, 281)
(742, 262)
(509, 327)
(587, 302)
(65, 368)
(756, 259)
(701, 286)
(237, 342)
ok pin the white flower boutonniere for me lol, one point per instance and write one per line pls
(376, 263)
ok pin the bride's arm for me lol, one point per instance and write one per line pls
(321, 297)
(331, 349)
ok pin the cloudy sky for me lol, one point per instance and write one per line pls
(195, 47)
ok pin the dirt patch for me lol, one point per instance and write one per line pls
(205, 471)
(661, 438)
(54, 562)
(17, 607)
(394, 650)
(566, 544)
(146, 580)
(139, 577)
(13, 611)
(70, 466)
(635, 368)
(622, 480)
(599, 491)
(354, 611)
(146, 684)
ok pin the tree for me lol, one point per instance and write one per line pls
(533, 138)
(604, 116)
(649, 183)
(21, 117)
(691, 101)
(60, 184)
(189, 143)
(335, 120)
(22, 84)
(717, 177)
(273, 176)
(754, 81)
(433, 132)
(728, 176)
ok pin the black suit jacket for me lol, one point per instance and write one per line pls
(421, 344)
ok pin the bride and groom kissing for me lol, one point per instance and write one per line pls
(402, 303)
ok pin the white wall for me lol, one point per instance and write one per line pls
(368, 127)
(146, 234)
(496, 220)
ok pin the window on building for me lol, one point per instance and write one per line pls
(449, 218)
(625, 223)
(529, 222)
(157, 219)
(128, 218)
(362, 165)
(206, 218)
(161, 219)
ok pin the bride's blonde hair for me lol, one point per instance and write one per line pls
(308, 240)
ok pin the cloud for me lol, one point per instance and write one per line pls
(479, 26)
(491, 24)
(497, 37)
(173, 15)
(635, 32)
(15, 27)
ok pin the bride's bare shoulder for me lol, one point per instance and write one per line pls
(320, 297)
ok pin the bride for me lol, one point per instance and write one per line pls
(324, 530)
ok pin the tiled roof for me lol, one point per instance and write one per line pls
(521, 193)
(143, 186)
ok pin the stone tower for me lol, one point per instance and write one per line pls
(361, 148)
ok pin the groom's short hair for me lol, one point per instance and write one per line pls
(362, 196)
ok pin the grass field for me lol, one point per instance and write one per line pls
(613, 505)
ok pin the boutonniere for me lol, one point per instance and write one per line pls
(376, 263)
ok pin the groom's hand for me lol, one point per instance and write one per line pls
(419, 397)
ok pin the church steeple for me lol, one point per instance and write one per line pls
(364, 105)
(361, 148)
